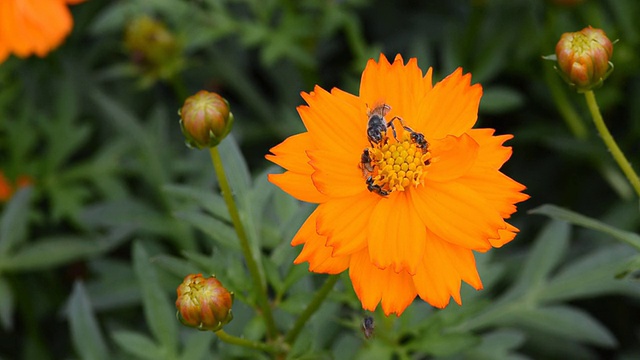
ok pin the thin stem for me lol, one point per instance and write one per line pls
(248, 343)
(313, 306)
(610, 142)
(263, 301)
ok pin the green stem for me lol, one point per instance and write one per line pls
(248, 343)
(311, 309)
(610, 142)
(263, 301)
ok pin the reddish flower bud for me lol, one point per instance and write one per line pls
(203, 303)
(583, 58)
(205, 119)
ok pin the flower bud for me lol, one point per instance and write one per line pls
(203, 303)
(583, 58)
(154, 50)
(205, 119)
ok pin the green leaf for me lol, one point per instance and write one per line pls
(497, 99)
(127, 213)
(221, 232)
(6, 304)
(138, 345)
(549, 248)
(130, 127)
(444, 344)
(159, 313)
(629, 267)
(273, 276)
(589, 223)
(113, 285)
(376, 350)
(51, 252)
(86, 336)
(235, 167)
(197, 345)
(213, 203)
(564, 321)
(13, 223)
(176, 266)
(497, 345)
(592, 275)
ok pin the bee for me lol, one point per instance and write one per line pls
(377, 125)
(375, 188)
(418, 139)
(368, 326)
(366, 163)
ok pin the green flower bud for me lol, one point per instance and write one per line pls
(203, 303)
(583, 58)
(205, 119)
(154, 50)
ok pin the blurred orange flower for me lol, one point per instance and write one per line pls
(33, 26)
(406, 188)
(7, 189)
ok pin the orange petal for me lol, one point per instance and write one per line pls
(6, 189)
(492, 154)
(13, 29)
(315, 252)
(451, 157)
(457, 214)
(299, 186)
(505, 236)
(450, 108)
(500, 191)
(337, 175)
(344, 221)
(334, 123)
(396, 234)
(372, 285)
(4, 52)
(398, 85)
(291, 153)
(440, 274)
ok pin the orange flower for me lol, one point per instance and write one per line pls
(7, 189)
(33, 26)
(402, 215)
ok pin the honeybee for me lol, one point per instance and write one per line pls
(368, 326)
(366, 163)
(377, 125)
(375, 188)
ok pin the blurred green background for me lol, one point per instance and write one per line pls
(121, 210)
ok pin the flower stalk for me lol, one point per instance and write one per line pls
(313, 306)
(230, 339)
(263, 302)
(611, 144)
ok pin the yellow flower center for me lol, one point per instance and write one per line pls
(396, 166)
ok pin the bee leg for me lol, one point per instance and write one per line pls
(393, 128)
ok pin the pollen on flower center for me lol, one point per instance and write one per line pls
(396, 165)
